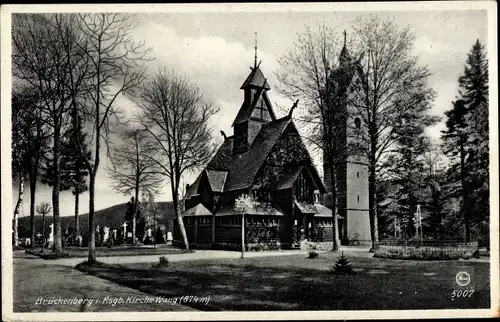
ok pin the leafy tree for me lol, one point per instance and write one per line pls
(242, 205)
(151, 217)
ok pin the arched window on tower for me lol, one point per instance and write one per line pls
(357, 122)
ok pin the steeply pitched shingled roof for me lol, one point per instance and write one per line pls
(198, 210)
(256, 78)
(244, 167)
(289, 178)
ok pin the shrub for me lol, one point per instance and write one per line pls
(312, 254)
(163, 262)
(343, 265)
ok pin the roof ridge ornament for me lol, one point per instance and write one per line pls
(293, 107)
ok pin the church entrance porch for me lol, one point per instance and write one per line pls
(302, 229)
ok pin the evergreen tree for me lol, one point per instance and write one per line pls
(466, 141)
(343, 265)
(474, 90)
(406, 165)
(130, 211)
(30, 144)
(435, 194)
(73, 170)
(456, 148)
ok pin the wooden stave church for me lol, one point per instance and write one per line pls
(257, 160)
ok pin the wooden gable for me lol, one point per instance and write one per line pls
(262, 109)
(285, 163)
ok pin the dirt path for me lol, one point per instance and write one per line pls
(38, 282)
(200, 254)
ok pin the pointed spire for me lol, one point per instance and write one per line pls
(255, 58)
(344, 54)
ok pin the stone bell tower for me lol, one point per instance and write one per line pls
(350, 158)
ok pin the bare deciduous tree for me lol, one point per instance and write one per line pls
(132, 171)
(392, 84)
(307, 70)
(40, 62)
(176, 119)
(115, 69)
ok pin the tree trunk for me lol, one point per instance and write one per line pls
(55, 191)
(134, 219)
(17, 210)
(33, 178)
(372, 198)
(43, 230)
(77, 210)
(336, 239)
(178, 215)
(465, 213)
(242, 235)
(91, 240)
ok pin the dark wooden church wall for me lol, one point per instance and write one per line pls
(322, 230)
(228, 230)
(262, 232)
(204, 232)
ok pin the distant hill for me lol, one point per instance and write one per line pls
(112, 217)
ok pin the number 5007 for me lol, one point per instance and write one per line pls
(462, 293)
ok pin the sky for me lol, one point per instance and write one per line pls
(215, 50)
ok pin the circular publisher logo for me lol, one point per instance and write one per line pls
(463, 278)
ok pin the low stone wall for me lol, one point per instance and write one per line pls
(427, 250)
(316, 245)
(360, 243)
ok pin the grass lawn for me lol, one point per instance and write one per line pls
(113, 251)
(297, 283)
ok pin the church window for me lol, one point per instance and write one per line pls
(357, 174)
(358, 198)
(302, 189)
(357, 122)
